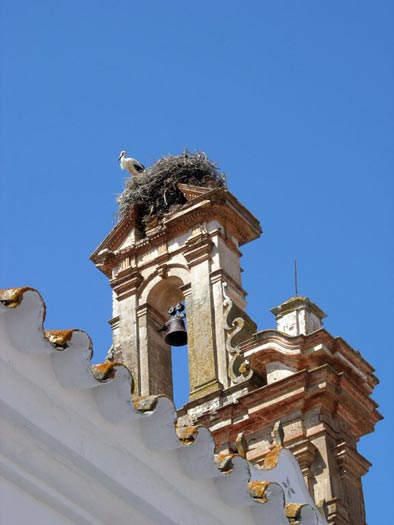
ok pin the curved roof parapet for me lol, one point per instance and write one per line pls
(92, 450)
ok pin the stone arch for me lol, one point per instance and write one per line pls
(160, 290)
(166, 275)
(165, 293)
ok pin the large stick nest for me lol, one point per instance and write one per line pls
(155, 191)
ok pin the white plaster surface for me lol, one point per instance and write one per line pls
(25, 508)
(74, 450)
(277, 370)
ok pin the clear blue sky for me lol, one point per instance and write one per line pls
(293, 99)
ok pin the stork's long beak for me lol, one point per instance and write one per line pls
(120, 156)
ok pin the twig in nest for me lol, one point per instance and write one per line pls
(155, 191)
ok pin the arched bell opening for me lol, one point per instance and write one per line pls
(166, 366)
(164, 294)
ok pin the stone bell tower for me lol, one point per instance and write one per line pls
(243, 382)
(192, 255)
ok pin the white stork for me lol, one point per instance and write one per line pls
(131, 165)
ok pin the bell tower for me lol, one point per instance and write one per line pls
(192, 256)
(177, 243)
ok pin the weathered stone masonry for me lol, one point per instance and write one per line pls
(242, 381)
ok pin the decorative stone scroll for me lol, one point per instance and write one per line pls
(238, 368)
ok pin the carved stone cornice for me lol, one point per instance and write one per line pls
(126, 282)
(308, 352)
(220, 275)
(198, 249)
(321, 389)
(114, 322)
(117, 234)
(351, 464)
(304, 451)
(151, 312)
(217, 204)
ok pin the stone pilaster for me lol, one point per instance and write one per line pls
(203, 374)
(125, 286)
(155, 357)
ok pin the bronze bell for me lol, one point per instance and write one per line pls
(176, 332)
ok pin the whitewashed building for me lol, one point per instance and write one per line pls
(74, 449)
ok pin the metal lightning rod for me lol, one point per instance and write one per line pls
(295, 276)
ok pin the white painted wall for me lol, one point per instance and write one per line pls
(18, 507)
(74, 450)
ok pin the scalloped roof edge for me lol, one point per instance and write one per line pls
(72, 351)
